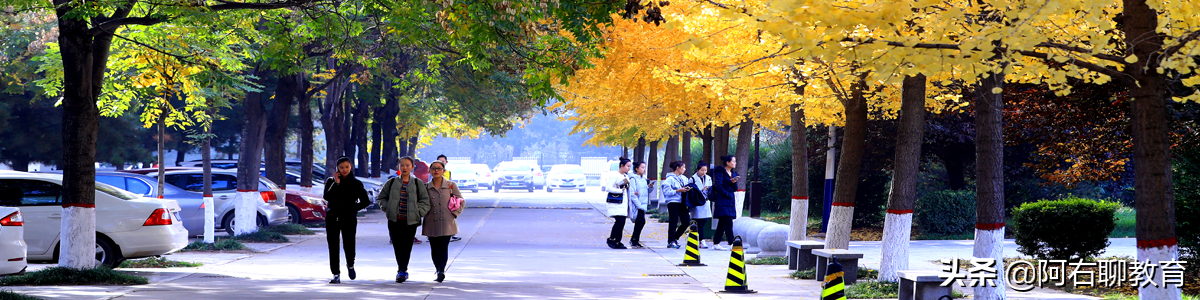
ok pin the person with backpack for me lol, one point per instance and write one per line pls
(442, 221)
(405, 200)
(673, 187)
(702, 215)
(346, 196)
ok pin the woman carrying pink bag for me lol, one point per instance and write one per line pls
(441, 222)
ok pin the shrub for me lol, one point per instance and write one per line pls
(157, 262)
(219, 245)
(290, 229)
(946, 212)
(1067, 228)
(873, 290)
(262, 236)
(804, 274)
(10, 295)
(767, 261)
(1187, 199)
(70, 276)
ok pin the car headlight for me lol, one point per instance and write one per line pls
(314, 200)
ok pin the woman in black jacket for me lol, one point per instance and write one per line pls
(346, 196)
(724, 206)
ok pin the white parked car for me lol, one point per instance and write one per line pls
(606, 176)
(12, 241)
(566, 177)
(273, 211)
(127, 225)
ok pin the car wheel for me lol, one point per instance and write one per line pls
(497, 189)
(475, 190)
(294, 215)
(228, 222)
(583, 190)
(531, 188)
(107, 254)
(549, 190)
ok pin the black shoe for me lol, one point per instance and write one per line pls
(336, 279)
(636, 245)
(352, 275)
(455, 239)
(619, 245)
(440, 276)
(401, 277)
(612, 243)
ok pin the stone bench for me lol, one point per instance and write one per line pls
(847, 258)
(800, 255)
(921, 285)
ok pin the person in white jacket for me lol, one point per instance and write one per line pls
(639, 202)
(617, 202)
(702, 214)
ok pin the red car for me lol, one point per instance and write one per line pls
(304, 207)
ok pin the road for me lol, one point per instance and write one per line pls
(516, 245)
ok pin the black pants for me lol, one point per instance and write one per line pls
(700, 223)
(402, 234)
(619, 227)
(678, 220)
(724, 226)
(346, 226)
(440, 251)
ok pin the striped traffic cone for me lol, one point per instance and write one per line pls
(835, 286)
(735, 282)
(692, 257)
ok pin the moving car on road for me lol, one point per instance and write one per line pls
(273, 211)
(513, 175)
(464, 176)
(127, 225)
(12, 241)
(484, 173)
(566, 177)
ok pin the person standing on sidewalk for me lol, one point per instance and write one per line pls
(617, 202)
(702, 214)
(639, 202)
(672, 187)
(405, 200)
(724, 206)
(445, 160)
(346, 196)
(441, 223)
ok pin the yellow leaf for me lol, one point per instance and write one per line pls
(1131, 59)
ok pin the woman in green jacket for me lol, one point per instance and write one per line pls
(405, 200)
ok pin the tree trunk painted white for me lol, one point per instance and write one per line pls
(896, 235)
(210, 226)
(247, 212)
(78, 247)
(990, 244)
(799, 219)
(1156, 255)
(838, 234)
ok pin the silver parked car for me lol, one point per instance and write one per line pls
(273, 211)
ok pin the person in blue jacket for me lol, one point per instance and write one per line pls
(724, 206)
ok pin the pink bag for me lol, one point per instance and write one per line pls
(455, 203)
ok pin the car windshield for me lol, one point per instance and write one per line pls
(567, 170)
(513, 167)
(115, 192)
(455, 170)
(613, 166)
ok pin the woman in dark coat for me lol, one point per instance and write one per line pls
(346, 197)
(724, 206)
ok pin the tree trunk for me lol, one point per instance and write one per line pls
(306, 136)
(707, 142)
(653, 160)
(162, 144)
(670, 154)
(1154, 199)
(84, 59)
(742, 152)
(624, 151)
(402, 149)
(333, 121)
(412, 144)
(254, 130)
(686, 143)
(846, 184)
(390, 153)
(956, 172)
(720, 143)
(274, 144)
(989, 183)
(348, 144)
(210, 224)
(906, 171)
(376, 141)
(639, 152)
(799, 139)
(181, 153)
(360, 138)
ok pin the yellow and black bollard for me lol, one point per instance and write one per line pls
(735, 282)
(691, 258)
(835, 285)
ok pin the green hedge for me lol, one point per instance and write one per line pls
(1187, 199)
(1067, 228)
(946, 212)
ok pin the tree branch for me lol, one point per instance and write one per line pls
(1182, 42)
(1116, 75)
(231, 5)
(342, 73)
(113, 24)
(1108, 57)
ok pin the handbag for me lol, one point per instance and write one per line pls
(614, 198)
(455, 203)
